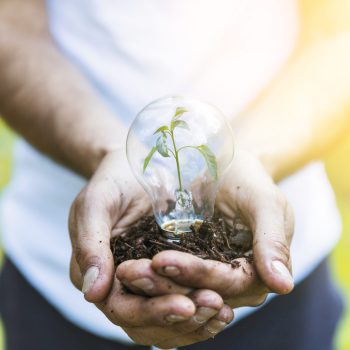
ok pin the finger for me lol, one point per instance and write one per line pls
(213, 327)
(90, 227)
(272, 235)
(129, 310)
(140, 278)
(260, 201)
(208, 304)
(191, 271)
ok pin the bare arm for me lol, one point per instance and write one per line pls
(44, 98)
(48, 102)
(306, 109)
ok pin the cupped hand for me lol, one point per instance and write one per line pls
(167, 321)
(111, 202)
(177, 272)
(248, 191)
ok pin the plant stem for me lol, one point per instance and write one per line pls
(177, 161)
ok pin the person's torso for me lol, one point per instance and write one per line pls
(133, 52)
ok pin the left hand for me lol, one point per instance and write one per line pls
(247, 189)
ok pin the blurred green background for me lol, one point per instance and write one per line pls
(338, 168)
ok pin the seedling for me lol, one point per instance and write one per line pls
(167, 136)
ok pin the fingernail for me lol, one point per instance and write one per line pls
(143, 283)
(215, 326)
(89, 278)
(282, 270)
(175, 318)
(203, 314)
(171, 271)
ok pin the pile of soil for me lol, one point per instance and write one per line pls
(212, 240)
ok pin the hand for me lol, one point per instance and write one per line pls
(108, 205)
(167, 321)
(170, 271)
(248, 190)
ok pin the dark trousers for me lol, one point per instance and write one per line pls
(303, 320)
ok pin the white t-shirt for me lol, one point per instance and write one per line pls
(132, 52)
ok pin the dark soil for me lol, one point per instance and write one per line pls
(212, 240)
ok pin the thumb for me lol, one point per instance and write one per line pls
(274, 225)
(90, 234)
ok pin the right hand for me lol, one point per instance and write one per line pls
(111, 202)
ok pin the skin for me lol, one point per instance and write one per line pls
(46, 100)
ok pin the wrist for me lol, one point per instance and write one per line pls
(102, 152)
(253, 141)
(245, 158)
(101, 137)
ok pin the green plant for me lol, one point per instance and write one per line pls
(162, 147)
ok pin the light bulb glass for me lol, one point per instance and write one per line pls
(178, 149)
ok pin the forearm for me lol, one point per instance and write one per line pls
(45, 99)
(304, 111)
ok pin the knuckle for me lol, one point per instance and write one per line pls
(282, 250)
(90, 197)
(196, 271)
(207, 298)
(85, 259)
(78, 208)
(85, 198)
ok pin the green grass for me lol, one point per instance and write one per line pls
(341, 264)
(6, 140)
(339, 172)
(338, 168)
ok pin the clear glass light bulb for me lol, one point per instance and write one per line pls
(178, 149)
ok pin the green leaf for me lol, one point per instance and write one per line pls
(162, 146)
(180, 124)
(148, 158)
(210, 159)
(162, 129)
(179, 112)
